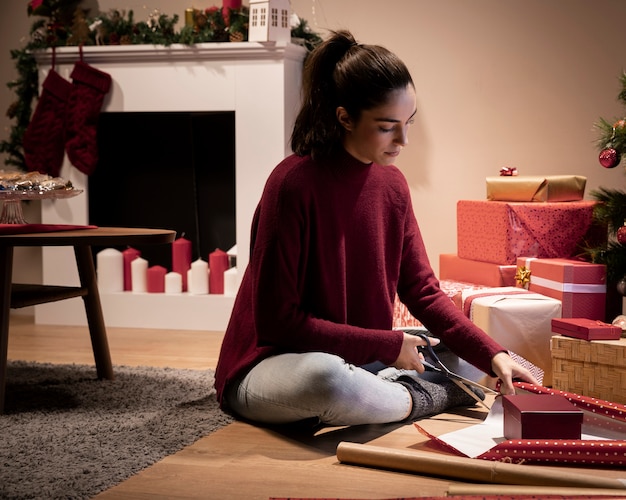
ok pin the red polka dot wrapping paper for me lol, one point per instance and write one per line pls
(500, 232)
(602, 418)
(581, 452)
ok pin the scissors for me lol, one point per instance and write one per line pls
(439, 367)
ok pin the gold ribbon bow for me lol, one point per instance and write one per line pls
(522, 276)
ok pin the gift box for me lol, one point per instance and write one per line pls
(594, 368)
(520, 322)
(586, 329)
(540, 416)
(500, 232)
(453, 267)
(552, 188)
(403, 318)
(579, 285)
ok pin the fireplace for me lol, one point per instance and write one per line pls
(181, 166)
(256, 84)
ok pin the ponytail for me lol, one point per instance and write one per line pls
(341, 72)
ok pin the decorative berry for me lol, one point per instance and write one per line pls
(621, 234)
(609, 158)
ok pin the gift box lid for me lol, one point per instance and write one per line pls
(586, 329)
(541, 416)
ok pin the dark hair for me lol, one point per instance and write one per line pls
(342, 72)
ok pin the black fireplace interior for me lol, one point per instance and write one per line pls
(169, 170)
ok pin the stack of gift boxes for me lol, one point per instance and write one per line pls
(521, 243)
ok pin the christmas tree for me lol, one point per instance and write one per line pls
(610, 211)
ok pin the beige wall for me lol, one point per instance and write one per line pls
(500, 83)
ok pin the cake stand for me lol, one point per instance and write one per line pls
(12, 206)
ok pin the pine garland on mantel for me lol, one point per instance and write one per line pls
(64, 23)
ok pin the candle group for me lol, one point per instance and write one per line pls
(128, 271)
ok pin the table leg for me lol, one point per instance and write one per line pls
(95, 318)
(6, 271)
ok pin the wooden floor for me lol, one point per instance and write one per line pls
(241, 461)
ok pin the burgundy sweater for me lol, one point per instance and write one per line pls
(331, 244)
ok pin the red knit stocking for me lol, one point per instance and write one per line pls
(44, 139)
(89, 86)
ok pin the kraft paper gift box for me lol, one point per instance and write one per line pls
(540, 416)
(520, 322)
(500, 232)
(553, 188)
(453, 267)
(586, 329)
(579, 285)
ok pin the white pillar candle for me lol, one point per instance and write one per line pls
(198, 278)
(230, 281)
(139, 274)
(173, 283)
(110, 270)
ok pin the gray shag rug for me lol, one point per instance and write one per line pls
(66, 434)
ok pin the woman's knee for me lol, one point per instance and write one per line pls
(328, 375)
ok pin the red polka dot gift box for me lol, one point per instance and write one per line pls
(500, 232)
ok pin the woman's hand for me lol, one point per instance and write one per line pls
(410, 358)
(507, 370)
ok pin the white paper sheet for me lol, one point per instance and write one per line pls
(477, 439)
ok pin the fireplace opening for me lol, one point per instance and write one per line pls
(169, 170)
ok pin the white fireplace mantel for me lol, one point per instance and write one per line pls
(260, 82)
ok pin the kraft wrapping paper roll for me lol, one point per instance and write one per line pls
(468, 468)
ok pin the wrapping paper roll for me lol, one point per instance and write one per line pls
(468, 468)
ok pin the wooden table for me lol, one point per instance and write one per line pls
(16, 295)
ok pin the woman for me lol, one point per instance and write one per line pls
(334, 238)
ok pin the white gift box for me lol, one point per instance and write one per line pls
(520, 322)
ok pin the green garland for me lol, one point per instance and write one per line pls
(64, 23)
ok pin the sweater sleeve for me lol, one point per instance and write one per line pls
(419, 290)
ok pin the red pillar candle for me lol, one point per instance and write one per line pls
(155, 279)
(181, 258)
(231, 4)
(218, 263)
(128, 256)
(227, 6)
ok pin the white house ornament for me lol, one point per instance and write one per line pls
(269, 21)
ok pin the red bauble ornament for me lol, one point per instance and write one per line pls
(609, 158)
(621, 234)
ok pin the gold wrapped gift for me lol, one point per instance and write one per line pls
(523, 188)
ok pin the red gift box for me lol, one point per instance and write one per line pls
(540, 416)
(586, 329)
(580, 286)
(500, 232)
(453, 267)
(403, 318)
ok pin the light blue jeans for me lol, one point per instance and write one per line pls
(292, 387)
